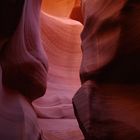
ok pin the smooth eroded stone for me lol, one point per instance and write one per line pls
(61, 40)
(22, 58)
(17, 117)
(110, 42)
(108, 112)
(107, 104)
(61, 8)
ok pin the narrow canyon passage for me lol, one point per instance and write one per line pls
(61, 40)
(69, 70)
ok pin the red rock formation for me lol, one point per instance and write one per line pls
(107, 103)
(61, 40)
(23, 59)
(61, 8)
(64, 8)
(23, 69)
(76, 12)
(17, 118)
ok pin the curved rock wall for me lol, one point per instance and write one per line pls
(23, 60)
(61, 40)
(109, 95)
(23, 69)
(61, 8)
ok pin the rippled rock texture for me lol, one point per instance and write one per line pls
(104, 58)
(62, 43)
(23, 69)
(107, 104)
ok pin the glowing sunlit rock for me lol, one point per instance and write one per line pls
(61, 40)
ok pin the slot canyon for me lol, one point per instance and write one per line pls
(69, 70)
